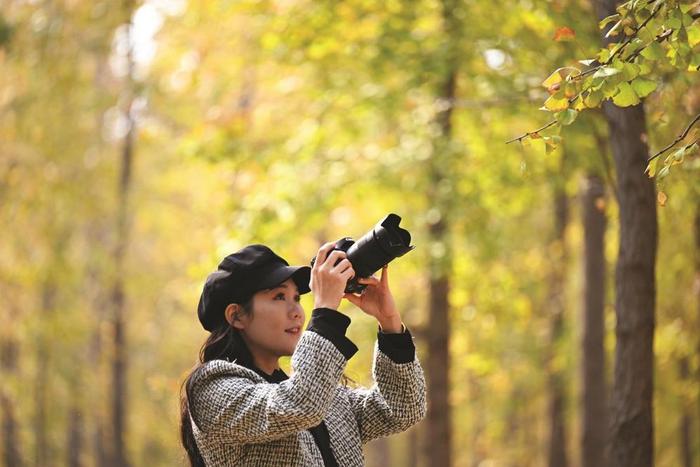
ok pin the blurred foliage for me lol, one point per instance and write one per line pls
(293, 122)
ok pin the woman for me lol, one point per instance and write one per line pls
(240, 408)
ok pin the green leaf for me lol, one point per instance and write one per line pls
(566, 117)
(674, 19)
(693, 34)
(643, 87)
(645, 67)
(630, 71)
(606, 71)
(605, 21)
(663, 173)
(593, 99)
(653, 51)
(579, 104)
(626, 96)
(610, 87)
(588, 62)
(676, 157)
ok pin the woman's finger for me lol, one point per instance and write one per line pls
(349, 273)
(334, 257)
(385, 275)
(342, 265)
(352, 298)
(368, 280)
(323, 253)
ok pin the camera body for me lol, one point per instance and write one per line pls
(378, 247)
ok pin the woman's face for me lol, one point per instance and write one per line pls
(276, 324)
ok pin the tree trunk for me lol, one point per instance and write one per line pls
(686, 444)
(593, 394)
(413, 451)
(12, 452)
(75, 438)
(438, 420)
(119, 357)
(438, 417)
(42, 451)
(632, 424)
(438, 428)
(381, 452)
(557, 388)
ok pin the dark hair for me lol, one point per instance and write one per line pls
(224, 343)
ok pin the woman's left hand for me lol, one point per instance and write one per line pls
(376, 300)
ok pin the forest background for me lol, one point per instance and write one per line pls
(142, 141)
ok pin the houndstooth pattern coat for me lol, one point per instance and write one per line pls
(239, 419)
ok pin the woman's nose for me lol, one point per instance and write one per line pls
(296, 309)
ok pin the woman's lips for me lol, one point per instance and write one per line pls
(294, 330)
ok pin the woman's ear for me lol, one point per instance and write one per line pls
(233, 316)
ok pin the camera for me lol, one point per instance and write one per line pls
(378, 247)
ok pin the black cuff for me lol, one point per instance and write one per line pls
(398, 347)
(332, 325)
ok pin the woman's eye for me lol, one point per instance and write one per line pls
(297, 298)
(279, 296)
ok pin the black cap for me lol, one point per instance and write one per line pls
(240, 275)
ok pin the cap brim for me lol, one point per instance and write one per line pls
(301, 275)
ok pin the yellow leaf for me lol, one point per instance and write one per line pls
(555, 105)
(661, 198)
(559, 74)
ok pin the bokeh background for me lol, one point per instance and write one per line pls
(142, 141)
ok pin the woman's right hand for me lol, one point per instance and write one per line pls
(328, 279)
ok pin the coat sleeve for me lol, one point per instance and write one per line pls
(239, 410)
(397, 400)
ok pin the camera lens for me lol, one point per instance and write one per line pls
(381, 245)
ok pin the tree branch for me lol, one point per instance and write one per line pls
(680, 138)
(636, 31)
(530, 133)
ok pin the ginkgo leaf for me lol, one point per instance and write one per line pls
(651, 168)
(554, 105)
(606, 71)
(653, 51)
(564, 33)
(566, 117)
(643, 87)
(559, 75)
(626, 96)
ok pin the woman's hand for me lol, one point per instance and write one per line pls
(328, 279)
(376, 300)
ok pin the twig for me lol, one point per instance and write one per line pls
(530, 133)
(680, 138)
(553, 122)
(636, 31)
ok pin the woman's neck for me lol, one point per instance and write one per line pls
(262, 359)
(265, 361)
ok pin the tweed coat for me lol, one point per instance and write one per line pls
(239, 419)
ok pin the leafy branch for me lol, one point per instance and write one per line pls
(624, 71)
(680, 138)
